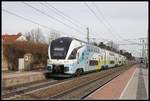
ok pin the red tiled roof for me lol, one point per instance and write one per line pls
(10, 38)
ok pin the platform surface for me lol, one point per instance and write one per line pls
(21, 77)
(132, 84)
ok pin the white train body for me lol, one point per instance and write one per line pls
(68, 56)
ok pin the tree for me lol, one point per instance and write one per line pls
(94, 43)
(108, 48)
(102, 45)
(121, 52)
(35, 35)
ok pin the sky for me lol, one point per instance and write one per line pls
(113, 21)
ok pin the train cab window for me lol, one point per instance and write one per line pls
(59, 48)
(73, 53)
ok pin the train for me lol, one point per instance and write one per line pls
(71, 57)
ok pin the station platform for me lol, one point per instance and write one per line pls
(10, 79)
(132, 84)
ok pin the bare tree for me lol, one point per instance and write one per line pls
(35, 35)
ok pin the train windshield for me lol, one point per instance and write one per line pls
(74, 52)
(59, 48)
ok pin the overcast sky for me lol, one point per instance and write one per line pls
(116, 20)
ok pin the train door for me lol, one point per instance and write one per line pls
(86, 57)
(105, 58)
(99, 62)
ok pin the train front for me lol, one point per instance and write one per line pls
(58, 62)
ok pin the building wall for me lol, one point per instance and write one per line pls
(4, 63)
(21, 38)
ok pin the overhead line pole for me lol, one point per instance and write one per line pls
(88, 35)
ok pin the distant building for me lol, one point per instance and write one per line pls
(112, 45)
(12, 38)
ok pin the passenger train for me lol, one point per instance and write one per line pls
(70, 56)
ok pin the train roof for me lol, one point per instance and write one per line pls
(71, 38)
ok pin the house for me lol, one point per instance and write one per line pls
(9, 39)
(12, 38)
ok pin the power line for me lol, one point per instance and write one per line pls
(60, 12)
(27, 19)
(100, 12)
(44, 4)
(50, 16)
(131, 44)
(66, 15)
(98, 18)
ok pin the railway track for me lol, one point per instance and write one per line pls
(83, 90)
(22, 89)
(75, 88)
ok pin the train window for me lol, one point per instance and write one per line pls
(73, 53)
(102, 57)
(112, 62)
(93, 62)
(82, 55)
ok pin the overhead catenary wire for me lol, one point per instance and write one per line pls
(100, 20)
(29, 20)
(60, 14)
(66, 15)
(100, 12)
(51, 17)
(69, 17)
